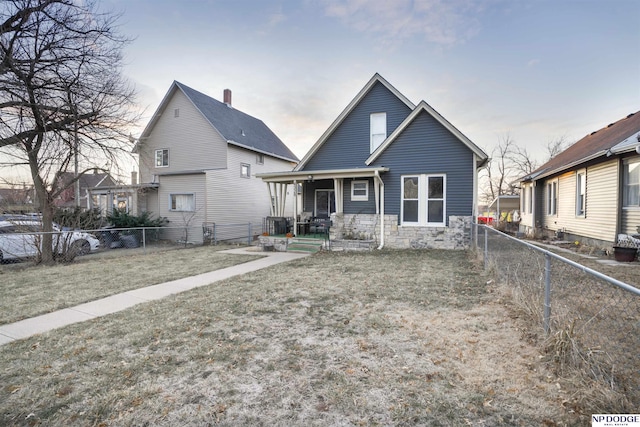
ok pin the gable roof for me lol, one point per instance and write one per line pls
(88, 180)
(424, 107)
(377, 78)
(617, 137)
(236, 127)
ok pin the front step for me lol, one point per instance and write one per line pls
(303, 245)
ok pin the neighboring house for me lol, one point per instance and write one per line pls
(391, 171)
(17, 200)
(87, 182)
(590, 191)
(198, 160)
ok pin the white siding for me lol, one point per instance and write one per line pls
(192, 142)
(630, 220)
(599, 222)
(232, 199)
(183, 184)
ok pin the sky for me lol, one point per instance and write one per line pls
(534, 71)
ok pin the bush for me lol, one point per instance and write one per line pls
(122, 219)
(78, 218)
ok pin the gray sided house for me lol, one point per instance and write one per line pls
(198, 163)
(392, 172)
(589, 192)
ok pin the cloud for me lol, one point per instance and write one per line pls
(533, 63)
(442, 22)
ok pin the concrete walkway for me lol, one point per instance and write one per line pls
(114, 303)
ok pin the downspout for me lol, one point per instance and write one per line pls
(381, 182)
(295, 207)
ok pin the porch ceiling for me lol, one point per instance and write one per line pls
(298, 176)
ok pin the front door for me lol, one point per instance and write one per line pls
(325, 203)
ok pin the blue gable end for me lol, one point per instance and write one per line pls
(348, 146)
(427, 147)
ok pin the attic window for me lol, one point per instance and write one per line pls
(176, 112)
(378, 129)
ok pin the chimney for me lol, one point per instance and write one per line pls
(134, 178)
(227, 97)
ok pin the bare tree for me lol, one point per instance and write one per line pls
(63, 99)
(500, 173)
(556, 146)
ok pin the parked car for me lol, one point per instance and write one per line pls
(21, 239)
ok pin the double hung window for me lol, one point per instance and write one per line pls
(423, 200)
(162, 158)
(182, 202)
(631, 183)
(552, 197)
(581, 192)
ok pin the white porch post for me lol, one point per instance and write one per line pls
(337, 188)
(283, 198)
(295, 208)
(271, 204)
(380, 182)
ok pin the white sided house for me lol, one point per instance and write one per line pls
(589, 192)
(198, 159)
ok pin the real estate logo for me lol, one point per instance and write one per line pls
(615, 420)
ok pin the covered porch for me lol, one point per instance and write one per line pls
(323, 194)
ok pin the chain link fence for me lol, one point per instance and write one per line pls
(20, 240)
(590, 322)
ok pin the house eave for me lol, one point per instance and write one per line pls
(320, 174)
(248, 147)
(568, 166)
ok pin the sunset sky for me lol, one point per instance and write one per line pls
(534, 70)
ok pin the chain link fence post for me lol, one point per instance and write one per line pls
(486, 249)
(547, 293)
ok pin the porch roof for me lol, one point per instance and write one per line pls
(290, 177)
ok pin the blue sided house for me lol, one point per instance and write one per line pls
(389, 172)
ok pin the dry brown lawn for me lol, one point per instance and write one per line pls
(342, 339)
(30, 290)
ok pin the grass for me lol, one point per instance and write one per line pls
(33, 290)
(382, 338)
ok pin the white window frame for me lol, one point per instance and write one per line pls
(244, 166)
(631, 187)
(581, 193)
(424, 199)
(552, 197)
(529, 199)
(161, 163)
(359, 197)
(260, 159)
(377, 130)
(172, 197)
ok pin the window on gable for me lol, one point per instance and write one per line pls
(631, 183)
(378, 129)
(552, 198)
(359, 191)
(162, 158)
(182, 202)
(245, 170)
(423, 200)
(581, 192)
(260, 159)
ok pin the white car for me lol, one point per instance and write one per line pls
(21, 239)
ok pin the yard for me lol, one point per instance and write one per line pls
(382, 338)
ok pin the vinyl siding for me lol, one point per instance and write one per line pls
(599, 221)
(630, 220)
(427, 147)
(192, 142)
(232, 199)
(183, 184)
(349, 145)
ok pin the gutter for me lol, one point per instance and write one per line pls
(377, 177)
